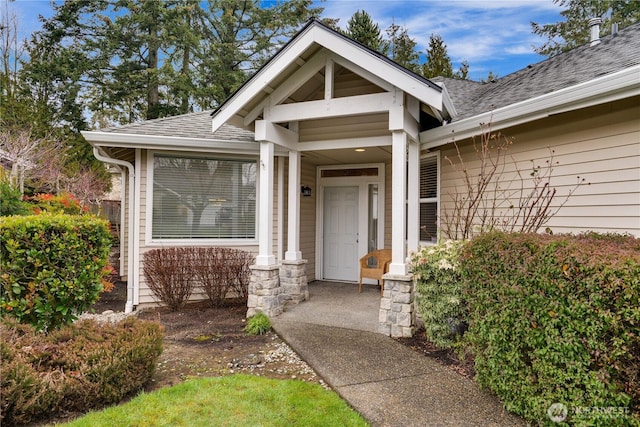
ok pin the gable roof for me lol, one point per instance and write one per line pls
(579, 65)
(292, 57)
(587, 75)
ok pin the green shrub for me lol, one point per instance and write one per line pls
(79, 367)
(11, 199)
(556, 319)
(258, 324)
(52, 267)
(439, 292)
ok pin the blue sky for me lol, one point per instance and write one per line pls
(490, 34)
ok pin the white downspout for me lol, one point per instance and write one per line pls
(128, 308)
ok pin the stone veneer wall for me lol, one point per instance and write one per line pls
(265, 292)
(293, 279)
(271, 286)
(397, 310)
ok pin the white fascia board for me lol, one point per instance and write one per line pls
(288, 55)
(123, 140)
(448, 104)
(612, 87)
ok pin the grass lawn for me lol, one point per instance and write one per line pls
(237, 400)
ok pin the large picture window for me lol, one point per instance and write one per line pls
(429, 199)
(203, 198)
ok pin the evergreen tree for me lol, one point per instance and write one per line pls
(361, 28)
(239, 36)
(490, 77)
(126, 60)
(402, 49)
(574, 30)
(438, 62)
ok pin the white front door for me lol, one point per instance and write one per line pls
(341, 213)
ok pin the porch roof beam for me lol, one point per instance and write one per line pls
(337, 107)
(268, 131)
(334, 144)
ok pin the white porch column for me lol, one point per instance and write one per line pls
(265, 206)
(293, 213)
(398, 264)
(413, 198)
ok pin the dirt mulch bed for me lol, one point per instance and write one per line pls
(447, 357)
(201, 340)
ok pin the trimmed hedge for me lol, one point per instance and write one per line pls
(52, 267)
(439, 292)
(556, 319)
(75, 368)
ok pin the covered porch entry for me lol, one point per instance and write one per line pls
(318, 103)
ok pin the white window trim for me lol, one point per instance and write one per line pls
(151, 242)
(436, 199)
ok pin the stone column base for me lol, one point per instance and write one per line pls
(397, 315)
(265, 292)
(293, 279)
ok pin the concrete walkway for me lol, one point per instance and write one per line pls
(388, 383)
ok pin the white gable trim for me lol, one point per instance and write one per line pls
(615, 86)
(315, 33)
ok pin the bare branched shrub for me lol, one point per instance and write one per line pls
(211, 271)
(168, 272)
(240, 274)
(221, 271)
(492, 198)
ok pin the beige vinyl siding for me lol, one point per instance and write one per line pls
(124, 254)
(347, 83)
(600, 144)
(308, 220)
(344, 127)
(387, 204)
(143, 196)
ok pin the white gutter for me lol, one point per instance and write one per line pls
(158, 142)
(128, 308)
(612, 87)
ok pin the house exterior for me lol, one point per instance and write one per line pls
(331, 150)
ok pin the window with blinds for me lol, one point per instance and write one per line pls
(203, 198)
(429, 199)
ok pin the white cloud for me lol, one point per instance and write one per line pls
(490, 34)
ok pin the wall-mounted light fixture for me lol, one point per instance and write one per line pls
(305, 190)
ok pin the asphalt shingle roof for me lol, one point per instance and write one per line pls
(191, 125)
(579, 65)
